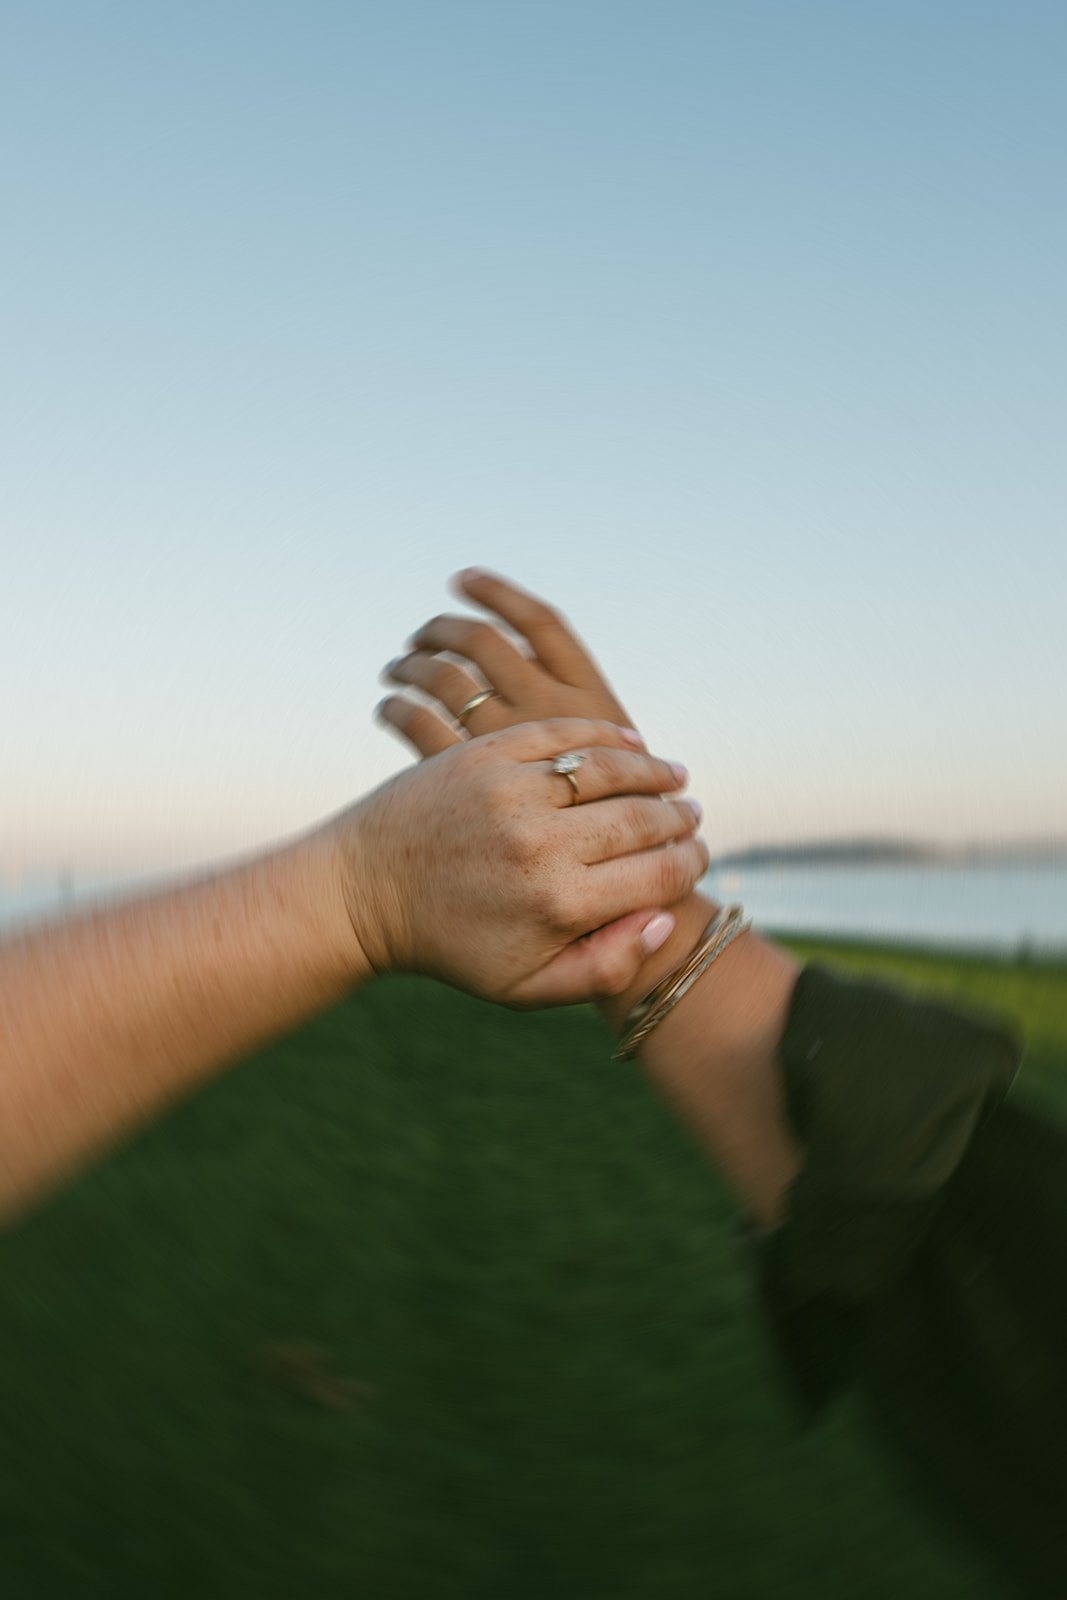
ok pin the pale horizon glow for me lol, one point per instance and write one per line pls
(736, 331)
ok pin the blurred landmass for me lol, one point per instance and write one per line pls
(894, 852)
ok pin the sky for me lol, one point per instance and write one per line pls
(735, 329)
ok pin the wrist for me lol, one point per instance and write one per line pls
(745, 993)
(714, 1057)
(340, 888)
(691, 917)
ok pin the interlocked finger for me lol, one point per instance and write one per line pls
(421, 728)
(655, 877)
(637, 822)
(600, 771)
(549, 635)
(453, 687)
(496, 658)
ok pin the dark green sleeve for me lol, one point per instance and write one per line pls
(923, 1257)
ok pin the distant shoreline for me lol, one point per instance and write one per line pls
(894, 852)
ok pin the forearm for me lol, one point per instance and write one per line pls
(108, 1017)
(714, 1056)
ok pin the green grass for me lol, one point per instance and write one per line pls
(433, 1300)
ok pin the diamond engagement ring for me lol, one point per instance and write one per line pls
(567, 766)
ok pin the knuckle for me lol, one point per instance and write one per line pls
(540, 906)
(693, 861)
(641, 821)
(484, 792)
(447, 679)
(519, 836)
(480, 636)
(542, 902)
(683, 820)
(629, 828)
(611, 973)
(499, 794)
(565, 908)
(616, 839)
(672, 874)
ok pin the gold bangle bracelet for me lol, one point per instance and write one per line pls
(648, 1013)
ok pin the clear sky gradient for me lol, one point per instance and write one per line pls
(736, 328)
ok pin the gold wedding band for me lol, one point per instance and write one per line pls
(566, 766)
(475, 701)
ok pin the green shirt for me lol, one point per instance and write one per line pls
(924, 1257)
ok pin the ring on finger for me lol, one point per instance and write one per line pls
(566, 766)
(474, 702)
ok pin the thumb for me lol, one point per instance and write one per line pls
(602, 964)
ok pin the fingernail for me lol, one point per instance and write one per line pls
(656, 932)
(632, 736)
(471, 575)
(390, 666)
(696, 808)
(681, 773)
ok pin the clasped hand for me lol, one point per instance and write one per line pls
(478, 867)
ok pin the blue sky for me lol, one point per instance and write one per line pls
(738, 329)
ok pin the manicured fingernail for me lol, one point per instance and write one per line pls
(656, 932)
(696, 808)
(680, 772)
(632, 736)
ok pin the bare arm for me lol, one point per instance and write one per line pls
(110, 1016)
(714, 1058)
(473, 868)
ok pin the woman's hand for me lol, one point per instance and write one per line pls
(475, 866)
(549, 673)
(478, 866)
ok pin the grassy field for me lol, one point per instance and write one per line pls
(433, 1300)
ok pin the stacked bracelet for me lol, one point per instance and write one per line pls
(722, 930)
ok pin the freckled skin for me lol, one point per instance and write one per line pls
(714, 1057)
(526, 869)
(472, 868)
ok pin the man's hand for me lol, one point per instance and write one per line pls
(548, 672)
